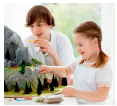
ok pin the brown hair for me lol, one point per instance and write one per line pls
(92, 30)
(41, 13)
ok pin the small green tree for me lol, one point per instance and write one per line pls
(45, 83)
(64, 81)
(7, 54)
(55, 82)
(38, 90)
(27, 64)
(5, 87)
(22, 71)
(51, 87)
(26, 89)
(40, 84)
(16, 87)
(30, 89)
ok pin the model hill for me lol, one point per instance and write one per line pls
(21, 71)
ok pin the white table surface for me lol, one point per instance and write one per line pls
(66, 101)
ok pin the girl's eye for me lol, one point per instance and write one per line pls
(40, 25)
(76, 45)
(80, 45)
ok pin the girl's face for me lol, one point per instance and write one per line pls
(41, 30)
(86, 47)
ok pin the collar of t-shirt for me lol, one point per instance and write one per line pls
(88, 64)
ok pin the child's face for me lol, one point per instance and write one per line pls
(85, 47)
(41, 30)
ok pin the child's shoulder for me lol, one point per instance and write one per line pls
(59, 35)
(78, 59)
(31, 37)
(106, 68)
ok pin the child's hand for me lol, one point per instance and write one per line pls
(69, 91)
(45, 47)
(44, 69)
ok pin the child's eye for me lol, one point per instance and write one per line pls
(31, 25)
(40, 25)
(80, 45)
(76, 45)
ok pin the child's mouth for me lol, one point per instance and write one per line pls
(39, 34)
(82, 53)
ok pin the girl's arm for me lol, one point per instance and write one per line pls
(91, 96)
(94, 96)
(60, 71)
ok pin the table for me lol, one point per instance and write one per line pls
(67, 101)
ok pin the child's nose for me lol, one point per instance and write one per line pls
(36, 29)
(78, 49)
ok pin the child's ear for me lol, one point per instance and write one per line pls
(51, 26)
(95, 41)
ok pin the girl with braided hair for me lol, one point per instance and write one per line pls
(92, 72)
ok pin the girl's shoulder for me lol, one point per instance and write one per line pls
(77, 60)
(105, 69)
(107, 66)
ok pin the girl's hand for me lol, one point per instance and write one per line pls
(45, 47)
(44, 69)
(69, 92)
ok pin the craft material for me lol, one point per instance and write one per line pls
(50, 99)
(31, 40)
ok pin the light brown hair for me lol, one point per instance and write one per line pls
(40, 13)
(92, 30)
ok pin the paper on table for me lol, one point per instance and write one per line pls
(52, 99)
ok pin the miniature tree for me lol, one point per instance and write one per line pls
(27, 64)
(22, 71)
(55, 82)
(7, 54)
(38, 90)
(5, 87)
(36, 61)
(45, 83)
(51, 87)
(40, 84)
(23, 62)
(64, 81)
(30, 89)
(26, 89)
(16, 87)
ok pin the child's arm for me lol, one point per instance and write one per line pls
(60, 71)
(91, 96)
(45, 46)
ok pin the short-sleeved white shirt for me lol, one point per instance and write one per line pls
(60, 43)
(88, 78)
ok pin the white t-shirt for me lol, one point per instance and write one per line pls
(60, 43)
(88, 78)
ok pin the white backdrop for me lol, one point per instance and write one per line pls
(15, 16)
(108, 32)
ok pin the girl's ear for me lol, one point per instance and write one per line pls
(95, 41)
(51, 26)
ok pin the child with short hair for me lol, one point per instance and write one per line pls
(50, 47)
(92, 73)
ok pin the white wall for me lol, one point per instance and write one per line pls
(15, 17)
(108, 32)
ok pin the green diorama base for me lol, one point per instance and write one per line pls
(19, 94)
